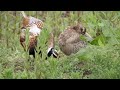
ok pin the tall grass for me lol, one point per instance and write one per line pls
(99, 60)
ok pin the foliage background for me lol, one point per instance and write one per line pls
(99, 60)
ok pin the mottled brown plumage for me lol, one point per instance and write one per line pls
(69, 41)
(29, 20)
(35, 25)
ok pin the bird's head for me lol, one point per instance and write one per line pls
(79, 28)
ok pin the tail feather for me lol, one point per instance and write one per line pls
(52, 51)
(23, 13)
(55, 53)
(51, 44)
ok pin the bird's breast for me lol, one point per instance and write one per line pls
(35, 32)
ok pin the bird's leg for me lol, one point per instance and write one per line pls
(23, 45)
(40, 53)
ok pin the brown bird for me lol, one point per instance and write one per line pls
(51, 47)
(35, 27)
(34, 32)
(29, 20)
(69, 41)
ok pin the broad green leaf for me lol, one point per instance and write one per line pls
(100, 24)
(100, 42)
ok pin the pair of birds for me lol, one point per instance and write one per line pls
(69, 40)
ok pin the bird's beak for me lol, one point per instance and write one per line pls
(89, 38)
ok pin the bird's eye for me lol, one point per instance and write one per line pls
(83, 30)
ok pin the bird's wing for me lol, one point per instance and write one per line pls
(36, 21)
(72, 37)
(22, 40)
(68, 36)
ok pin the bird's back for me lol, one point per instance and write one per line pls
(28, 21)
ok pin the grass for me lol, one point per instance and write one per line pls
(99, 60)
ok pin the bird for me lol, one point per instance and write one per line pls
(69, 40)
(34, 32)
(35, 27)
(51, 47)
(29, 20)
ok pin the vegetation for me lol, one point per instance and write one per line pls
(99, 60)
